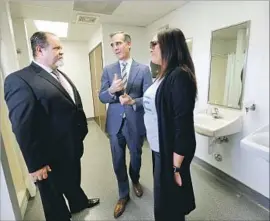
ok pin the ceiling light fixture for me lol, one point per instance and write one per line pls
(58, 28)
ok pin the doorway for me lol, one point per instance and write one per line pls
(96, 69)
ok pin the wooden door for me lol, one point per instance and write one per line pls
(96, 69)
(94, 87)
(99, 70)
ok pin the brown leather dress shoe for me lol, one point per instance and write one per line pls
(120, 207)
(138, 189)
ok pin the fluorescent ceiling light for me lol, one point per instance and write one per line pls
(58, 28)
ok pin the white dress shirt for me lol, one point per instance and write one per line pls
(62, 80)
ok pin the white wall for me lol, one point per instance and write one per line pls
(197, 20)
(96, 38)
(139, 47)
(76, 66)
(8, 49)
(22, 41)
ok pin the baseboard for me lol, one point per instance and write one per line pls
(23, 201)
(90, 118)
(246, 191)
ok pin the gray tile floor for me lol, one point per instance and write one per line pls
(215, 201)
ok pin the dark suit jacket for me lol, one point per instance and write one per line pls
(48, 125)
(175, 101)
(138, 82)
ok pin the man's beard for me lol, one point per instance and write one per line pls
(59, 63)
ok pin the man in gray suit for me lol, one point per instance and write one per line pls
(122, 86)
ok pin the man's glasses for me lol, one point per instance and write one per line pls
(153, 44)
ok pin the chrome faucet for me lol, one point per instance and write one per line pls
(215, 113)
(252, 108)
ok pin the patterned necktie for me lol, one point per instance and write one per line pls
(56, 73)
(60, 80)
(124, 74)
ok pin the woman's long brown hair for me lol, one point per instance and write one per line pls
(175, 53)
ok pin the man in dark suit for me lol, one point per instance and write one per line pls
(49, 123)
(122, 86)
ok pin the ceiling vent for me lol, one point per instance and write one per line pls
(86, 19)
(97, 7)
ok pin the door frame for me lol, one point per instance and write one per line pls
(94, 82)
(8, 180)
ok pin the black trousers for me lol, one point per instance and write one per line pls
(63, 180)
(160, 212)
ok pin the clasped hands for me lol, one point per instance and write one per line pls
(117, 85)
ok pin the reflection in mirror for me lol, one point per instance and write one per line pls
(155, 68)
(228, 56)
(189, 44)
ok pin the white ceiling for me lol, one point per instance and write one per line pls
(134, 13)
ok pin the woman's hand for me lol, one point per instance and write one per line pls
(178, 179)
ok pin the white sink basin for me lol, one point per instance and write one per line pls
(229, 123)
(258, 142)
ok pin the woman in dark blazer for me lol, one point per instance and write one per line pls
(173, 100)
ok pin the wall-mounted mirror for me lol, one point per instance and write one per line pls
(189, 44)
(229, 48)
(155, 68)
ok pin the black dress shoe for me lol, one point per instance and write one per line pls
(93, 202)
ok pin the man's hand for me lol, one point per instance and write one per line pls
(41, 174)
(117, 85)
(126, 100)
